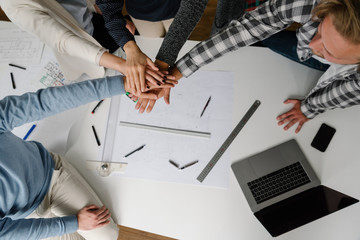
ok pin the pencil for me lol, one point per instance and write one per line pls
(138, 149)
(206, 105)
(12, 80)
(96, 136)
(17, 66)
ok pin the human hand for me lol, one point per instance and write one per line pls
(293, 116)
(130, 26)
(91, 217)
(174, 71)
(136, 63)
(163, 66)
(148, 104)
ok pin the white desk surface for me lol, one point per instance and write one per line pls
(195, 213)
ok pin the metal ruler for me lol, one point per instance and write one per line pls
(228, 141)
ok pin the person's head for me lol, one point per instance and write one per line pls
(338, 36)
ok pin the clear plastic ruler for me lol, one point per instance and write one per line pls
(228, 141)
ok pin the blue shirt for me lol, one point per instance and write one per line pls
(80, 11)
(26, 167)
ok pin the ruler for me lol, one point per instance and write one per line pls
(228, 141)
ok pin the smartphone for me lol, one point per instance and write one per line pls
(323, 137)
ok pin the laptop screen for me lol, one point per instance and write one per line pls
(302, 208)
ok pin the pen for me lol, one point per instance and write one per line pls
(174, 163)
(189, 164)
(138, 149)
(17, 66)
(12, 80)
(97, 105)
(207, 103)
(96, 137)
(30, 130)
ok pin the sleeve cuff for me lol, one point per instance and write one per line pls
(116, 85)
(71, 224)
(309, 113)
(99, 54)
(186, 66)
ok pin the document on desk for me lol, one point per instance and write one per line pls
(190, 152)
(17, 46)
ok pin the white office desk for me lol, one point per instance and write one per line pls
(191, 212)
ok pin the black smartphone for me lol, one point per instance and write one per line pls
(323, 137)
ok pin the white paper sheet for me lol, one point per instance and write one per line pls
(17, 46)
(187, 101)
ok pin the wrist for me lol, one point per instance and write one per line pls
(163, 66)
(131, 46)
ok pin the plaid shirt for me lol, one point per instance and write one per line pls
(340, 90)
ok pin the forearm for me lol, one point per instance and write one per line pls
(339, 94)
(33, 17)
(187, 17)
(29, 107)
(115, 22)
(250, 28)
(33, 229)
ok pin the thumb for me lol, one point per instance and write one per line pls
(293, 101)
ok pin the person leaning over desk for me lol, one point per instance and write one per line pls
(330, 33)
(41, 194)
(67, 27)
(185, 18)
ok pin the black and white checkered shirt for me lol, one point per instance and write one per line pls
(340, 90)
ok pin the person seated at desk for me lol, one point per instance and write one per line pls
(67, 27)
(330, 33)
(41, 194)
(185, 13)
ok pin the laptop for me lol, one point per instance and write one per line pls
(283, 190)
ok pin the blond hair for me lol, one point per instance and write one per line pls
(345, 15)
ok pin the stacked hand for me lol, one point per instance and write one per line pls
(147, 102)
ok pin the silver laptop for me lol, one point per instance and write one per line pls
(281, 187)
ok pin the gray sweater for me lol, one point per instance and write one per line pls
(187, 17)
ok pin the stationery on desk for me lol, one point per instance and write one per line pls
(177, 132)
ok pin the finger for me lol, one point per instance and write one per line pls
(299, 127)
(284, 115)
(91, 207)
(150, 106)
(290, 124)
(137, 83)
(103, 224)
(151, 64)
(151, 79)
(138, 104)
(157, 75)
(142, 79)
(167, 96)
(149, 95)
(103, 216)
(285, 120)
(143, 106)
(132, 81)
(293, 101)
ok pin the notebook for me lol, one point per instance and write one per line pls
(283, 190)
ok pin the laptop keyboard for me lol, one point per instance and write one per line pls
(278, 182)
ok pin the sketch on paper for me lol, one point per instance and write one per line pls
(50, 76)
(20, 47)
